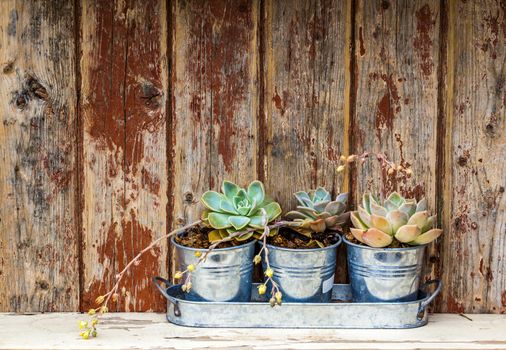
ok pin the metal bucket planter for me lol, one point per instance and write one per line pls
(225, 275)
(384, 274)
(304, 275)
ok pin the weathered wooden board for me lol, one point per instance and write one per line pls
(124, 92)
(397, 58)
(214, 101)
(304, 96)
(303, 99)
(39, 268)
(474, 262)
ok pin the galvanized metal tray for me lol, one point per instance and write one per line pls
(340, 313)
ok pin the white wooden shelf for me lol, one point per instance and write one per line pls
(152, 331)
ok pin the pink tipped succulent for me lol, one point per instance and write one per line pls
(405, 220)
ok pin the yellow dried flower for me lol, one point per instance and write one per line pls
(257, 259)
(198, 253)
(269, 272)
(85, 335)
(278, 297)
(178, 275)
(94, 333)
(83, 324)
(104, 309)
(262, 289)
(94, 322)
(91, 312)
(191, 267)
(342, 158)
(100, 299)
(114, 297)
(272, 302)
(340, 168)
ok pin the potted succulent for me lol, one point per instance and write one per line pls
(223, 246)
(302, 253)
(386, 247)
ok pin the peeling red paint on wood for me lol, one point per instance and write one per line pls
(423, 40)
(124, 137)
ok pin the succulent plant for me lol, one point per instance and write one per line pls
(404, 219)
(317, 212)
(237, 209)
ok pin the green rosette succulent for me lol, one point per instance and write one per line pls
(318, 213)
(406, 220)
(237, 209)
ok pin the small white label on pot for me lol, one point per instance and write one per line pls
(328, 284)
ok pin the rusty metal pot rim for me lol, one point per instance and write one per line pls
(415, 247)
(173, 241)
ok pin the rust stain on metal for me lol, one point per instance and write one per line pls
(423, 41)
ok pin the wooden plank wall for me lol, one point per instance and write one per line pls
(117, 115)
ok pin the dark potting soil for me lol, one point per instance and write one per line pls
(288, 238)
(394, 244)
(196, 237)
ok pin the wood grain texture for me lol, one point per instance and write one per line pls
(38, 226)
(474, 263)
(397, 58)
(304, 96)
(124, 92)
(215, 100)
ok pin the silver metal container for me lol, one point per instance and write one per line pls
(304, 275)
(258, 312)
(225, 275)
(384, 274)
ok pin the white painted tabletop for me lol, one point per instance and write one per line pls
(152, 331)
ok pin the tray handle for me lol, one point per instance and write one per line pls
(162, 290)
(426, 302)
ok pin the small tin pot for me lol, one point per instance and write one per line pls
(384, 274)
(304, 275)
(225, 275)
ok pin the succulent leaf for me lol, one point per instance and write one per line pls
(239, 222)
(273, 210)
(419, 219)
(377, 209)
(397, 219)
(291, 215)
(342, 198)
(256, 192)
(408, 208)
(357, 222)
(431, 222)
(396, 199)
(366, 202)
(357, 233)
(318, 225)
(381, 223)
(335, 207)
(321, 195)
(303, 199)
(258, 221)
(245, 236)
(214, 236)
(422, 205)
(376, 238)
(320, 206)
(219, 220)
(227, 207)
(427, 237)
(230, 189)
(364, 216)
(407, 233)
(212, 200)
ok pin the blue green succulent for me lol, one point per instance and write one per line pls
(237, 209)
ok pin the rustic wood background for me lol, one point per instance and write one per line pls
(117, 115)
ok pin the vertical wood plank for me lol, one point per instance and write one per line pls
(474, 261)
(397, 58)
(304, 97)
(215, 99)
(38, 226)
(124, 92)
